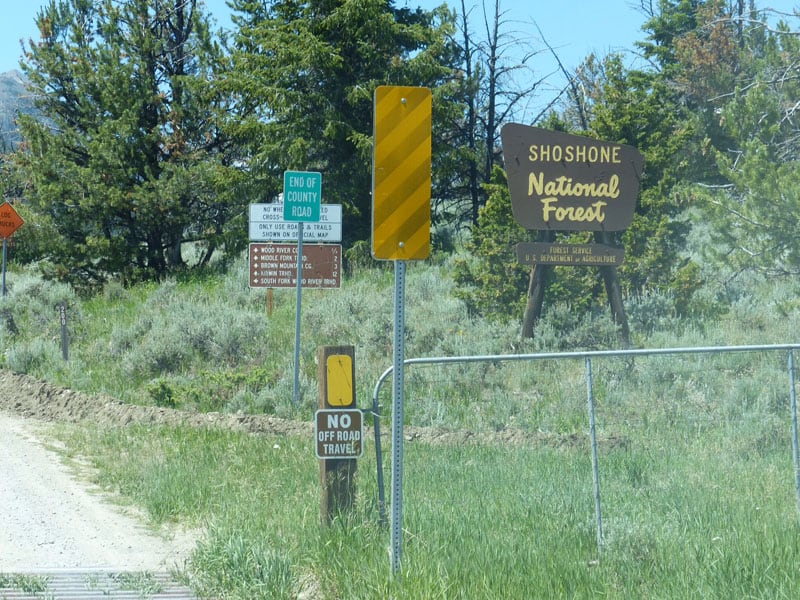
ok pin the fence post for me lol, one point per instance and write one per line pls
(62, 313)
(795, 445)
(595, 465)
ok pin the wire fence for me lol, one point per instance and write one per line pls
(692, 390)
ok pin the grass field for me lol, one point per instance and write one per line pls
(685, 516)
(695, 453)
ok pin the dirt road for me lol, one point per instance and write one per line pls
(56, 528)
(53, 520)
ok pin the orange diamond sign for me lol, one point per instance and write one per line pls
(10, 221)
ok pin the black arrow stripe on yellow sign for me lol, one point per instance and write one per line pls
(396, 207)
(404, 129)
(411, 172)
(402, 173)
(413, 232)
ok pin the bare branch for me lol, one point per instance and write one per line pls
(570, 82)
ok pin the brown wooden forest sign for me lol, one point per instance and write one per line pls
(564, 182)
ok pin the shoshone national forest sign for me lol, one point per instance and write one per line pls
(563, 182)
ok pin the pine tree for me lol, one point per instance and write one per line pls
(127, 161)
(303, 74)
(752, 201)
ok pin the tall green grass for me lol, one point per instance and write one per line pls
(684, 516)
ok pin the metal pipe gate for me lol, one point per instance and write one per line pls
(587, 356)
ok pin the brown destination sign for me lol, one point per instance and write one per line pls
(275, 265)
(564, 182)
(595, 255)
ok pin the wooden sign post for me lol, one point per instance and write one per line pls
(338, 431)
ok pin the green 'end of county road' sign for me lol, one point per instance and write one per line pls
(302, 196)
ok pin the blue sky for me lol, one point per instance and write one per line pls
(573, 27)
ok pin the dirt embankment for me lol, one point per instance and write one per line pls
(29, 397)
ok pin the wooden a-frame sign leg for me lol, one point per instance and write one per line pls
(537, 286)
(536, 289)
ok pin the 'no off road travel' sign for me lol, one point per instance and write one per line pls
(339, 433)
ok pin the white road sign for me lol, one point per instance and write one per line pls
(267, 224)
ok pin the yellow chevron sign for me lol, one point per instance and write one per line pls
(401, 174)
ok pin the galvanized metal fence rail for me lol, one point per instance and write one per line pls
(587, 357)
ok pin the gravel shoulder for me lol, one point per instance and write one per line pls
(53, 520)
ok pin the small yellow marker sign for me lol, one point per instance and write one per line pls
(401, 173)
(340, 380)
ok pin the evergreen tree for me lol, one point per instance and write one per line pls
(303, 73)
(752, 200)
(492, 282)
(126, 161)
(638, 108)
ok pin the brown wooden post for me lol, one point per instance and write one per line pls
(336, 374)
(614, 292)
(536, 289)
(533, 307)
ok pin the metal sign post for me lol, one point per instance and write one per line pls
(302, 198)
(398, 359)
(299, 295)
(10, 221)
(5, 248)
